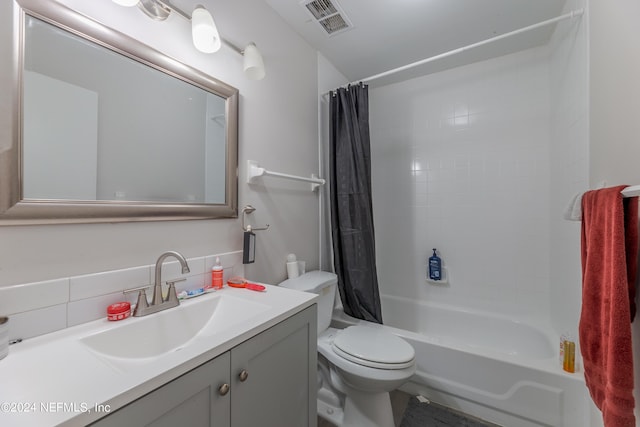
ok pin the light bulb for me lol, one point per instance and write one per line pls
(253, 63)
(126, 3)
(203, 29)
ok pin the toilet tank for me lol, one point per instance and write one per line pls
(324, 285)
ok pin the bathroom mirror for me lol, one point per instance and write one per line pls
(105, 129)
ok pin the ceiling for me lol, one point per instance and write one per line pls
(386, 34)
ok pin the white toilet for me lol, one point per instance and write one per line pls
(357, 366)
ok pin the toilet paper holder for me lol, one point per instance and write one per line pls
(247, 210)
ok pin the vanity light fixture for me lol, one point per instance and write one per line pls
(253, 63)
(126, 3)
(204, 32)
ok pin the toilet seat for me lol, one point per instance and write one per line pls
(374, 348)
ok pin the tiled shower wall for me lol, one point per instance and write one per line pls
(461, 163)
(481, 162)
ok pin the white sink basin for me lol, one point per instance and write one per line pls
(171, 330)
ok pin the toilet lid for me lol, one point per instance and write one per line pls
(373, 347)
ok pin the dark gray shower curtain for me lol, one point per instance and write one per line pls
(351, 207)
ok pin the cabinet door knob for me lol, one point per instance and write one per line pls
(224, 389)
(243, 375)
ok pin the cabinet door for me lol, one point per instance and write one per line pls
(274, 375)
(193, 400)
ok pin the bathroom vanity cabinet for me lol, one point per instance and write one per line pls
(267, 380)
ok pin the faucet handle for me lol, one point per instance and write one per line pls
(141, 288)
(142, 303)
(172, 297)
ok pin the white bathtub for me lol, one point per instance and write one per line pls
(486, 365)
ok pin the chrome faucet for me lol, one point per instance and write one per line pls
(158, 303)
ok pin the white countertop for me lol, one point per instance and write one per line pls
(55, 380)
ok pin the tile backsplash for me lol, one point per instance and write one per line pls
(42, 307)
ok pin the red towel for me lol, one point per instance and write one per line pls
(609, 265)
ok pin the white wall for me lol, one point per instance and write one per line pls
(278, 128)
(568, 64)
(461, 163)
(614, 90)
(60, 161)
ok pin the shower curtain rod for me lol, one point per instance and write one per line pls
(573, 14)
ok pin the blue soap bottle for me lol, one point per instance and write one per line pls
(435, 266)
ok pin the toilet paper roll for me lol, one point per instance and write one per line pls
(4, 337)
(292, 270)
(292, 266)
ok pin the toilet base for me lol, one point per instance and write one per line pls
(360, 409)
(328, 410)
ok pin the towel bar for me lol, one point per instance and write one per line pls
(631, 191)
(254, 171)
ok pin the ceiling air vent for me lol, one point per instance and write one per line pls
(321, 8)
(328, 14)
